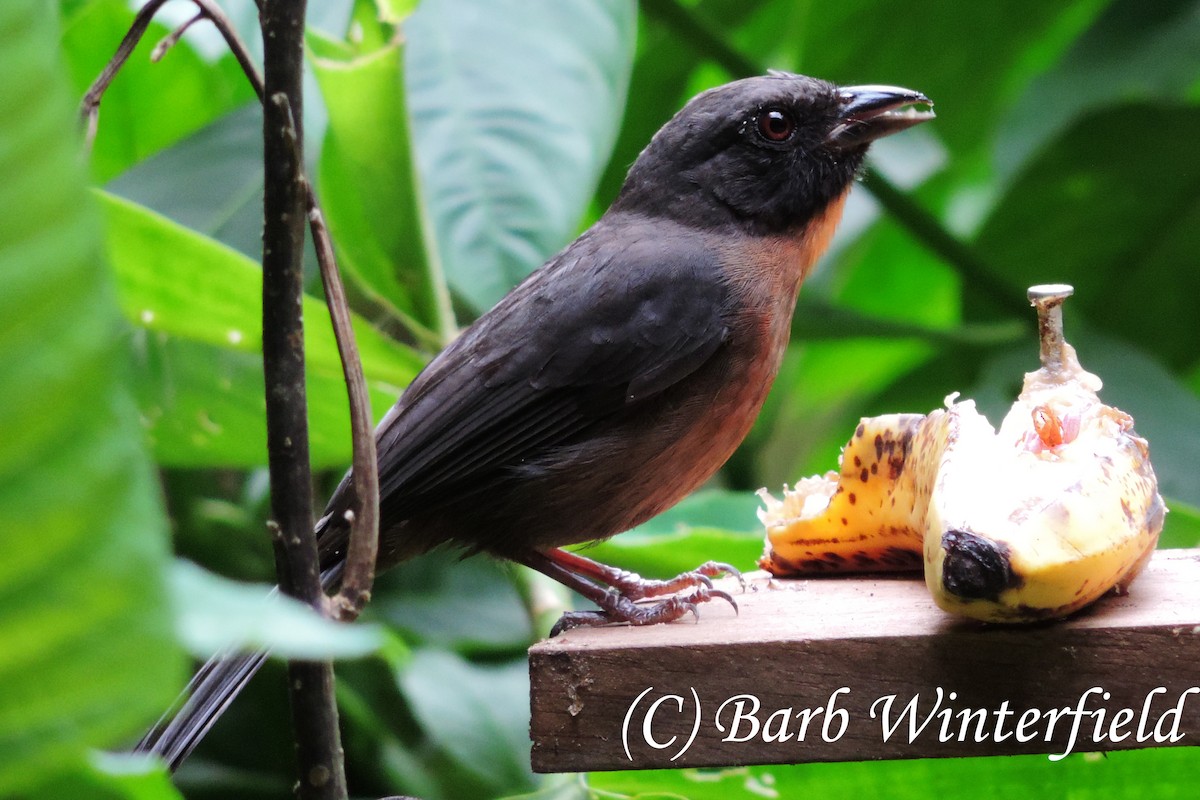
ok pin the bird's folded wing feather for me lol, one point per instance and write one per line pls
(556, 357)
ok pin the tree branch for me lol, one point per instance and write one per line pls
(310, 684)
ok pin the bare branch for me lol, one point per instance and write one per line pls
(236, 46)
(173, 38)
(363, 547)
(89, 107)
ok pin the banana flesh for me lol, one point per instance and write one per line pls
(1031, 522)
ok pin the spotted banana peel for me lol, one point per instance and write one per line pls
(1031, 522)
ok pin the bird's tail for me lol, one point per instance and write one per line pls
(211, 690)
(205, 699)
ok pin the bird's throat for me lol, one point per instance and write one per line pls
(776, 265)
(813, 239)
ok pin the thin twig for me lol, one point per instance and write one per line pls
(173, 38)
(89, 107)
(923, 226)
(363, 547)
(236, 46)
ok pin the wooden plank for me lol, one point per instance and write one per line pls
(805, 672)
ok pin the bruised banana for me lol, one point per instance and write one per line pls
(1032, 522)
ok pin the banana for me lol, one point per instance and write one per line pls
(1031, 522)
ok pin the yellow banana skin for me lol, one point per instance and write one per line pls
(1031, 522)
(868, 518)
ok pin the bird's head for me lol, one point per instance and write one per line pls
(764, 154)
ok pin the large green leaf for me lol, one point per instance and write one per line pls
(1135, 50)
(111, 776)
(1094, 211)
(436, 600)
(710, 525)
(200, 386)
(214, 614)
(210, 182)
(515, 107)
(202, 405)
(368, 183)
(88, 653)
(176, 281)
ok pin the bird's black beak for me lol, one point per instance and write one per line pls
(868, 113)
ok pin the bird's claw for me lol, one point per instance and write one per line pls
(637, 588)
(714, 568)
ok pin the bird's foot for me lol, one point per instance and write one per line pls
(622, 608)
(635, 587)
(619, 603)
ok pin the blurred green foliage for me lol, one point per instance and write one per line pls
(455, 150)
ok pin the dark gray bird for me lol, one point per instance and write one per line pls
(624, 372)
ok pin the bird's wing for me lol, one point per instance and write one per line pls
(593, 332)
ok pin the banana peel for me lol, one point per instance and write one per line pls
(1029, 522)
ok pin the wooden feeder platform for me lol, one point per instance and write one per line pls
(853, 669)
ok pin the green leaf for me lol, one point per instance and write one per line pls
(477, 715)
(736, 512)
(112, 776)
(1124, 775)
(200, 387)
(203, 405)
(436, 599)
(818, 319)
(368, 184)
(709, 525)
(1093, 211)
(88, 653)
(214, 614)
(1134, 51)
(664, 555)
(150, 105)
(210, 182)
(1182, 528)
(510, 147)
(184, 284)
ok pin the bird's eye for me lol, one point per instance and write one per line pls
(775, 125)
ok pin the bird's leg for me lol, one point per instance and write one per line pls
(634, 586)
(617, 603)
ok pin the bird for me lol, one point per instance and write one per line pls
(623, 373)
